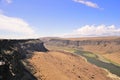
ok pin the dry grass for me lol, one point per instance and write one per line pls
(56, 65)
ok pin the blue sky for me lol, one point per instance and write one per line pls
(65, 18)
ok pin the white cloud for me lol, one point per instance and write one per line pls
(87, 3)
(8, 1)
(16, 28)
(94, 31)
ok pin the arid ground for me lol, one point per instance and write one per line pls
(59, 65)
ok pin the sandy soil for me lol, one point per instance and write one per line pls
(56, 65)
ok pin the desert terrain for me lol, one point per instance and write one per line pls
(110, 51)
(60, 59)
(108, 47)
(58, 65)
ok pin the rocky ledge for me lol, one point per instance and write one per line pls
(12, 58)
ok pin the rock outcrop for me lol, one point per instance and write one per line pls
(12, 56)
(109, 47)
(102, 44)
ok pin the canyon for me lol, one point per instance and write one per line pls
(109, 47)
(56, 58)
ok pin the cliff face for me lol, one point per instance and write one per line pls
(63, 42)
(12, 56)
(107, 45)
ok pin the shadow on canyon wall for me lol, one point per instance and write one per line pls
(12, 55)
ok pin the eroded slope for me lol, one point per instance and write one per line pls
(109, 47)
(57, 65)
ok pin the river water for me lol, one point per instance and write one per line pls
(109, 66)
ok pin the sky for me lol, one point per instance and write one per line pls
(59, 18)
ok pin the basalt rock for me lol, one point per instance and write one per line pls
(102, 44)
(12, 55)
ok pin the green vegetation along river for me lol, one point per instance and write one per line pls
(100, 61)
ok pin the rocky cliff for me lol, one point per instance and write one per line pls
(13, 55)
(109, 47)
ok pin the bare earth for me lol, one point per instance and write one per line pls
(56, 65)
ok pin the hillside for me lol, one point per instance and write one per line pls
(109, 47)
(59, 65)
(31, 60)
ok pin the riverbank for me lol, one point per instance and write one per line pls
(100, 62)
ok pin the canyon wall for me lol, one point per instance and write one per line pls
(13, 53)
(101, 45)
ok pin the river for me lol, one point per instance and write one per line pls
(94, 60)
